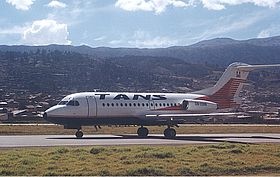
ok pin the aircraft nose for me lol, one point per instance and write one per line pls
(45, 116)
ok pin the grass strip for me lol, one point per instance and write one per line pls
(213, 159)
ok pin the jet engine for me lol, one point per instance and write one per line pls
(199, 106)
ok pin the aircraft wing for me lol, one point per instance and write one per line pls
(220, 114)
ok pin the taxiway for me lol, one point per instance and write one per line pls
(154, 139)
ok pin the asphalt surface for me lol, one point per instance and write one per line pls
(154, 139)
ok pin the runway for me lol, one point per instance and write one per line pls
(154, 139)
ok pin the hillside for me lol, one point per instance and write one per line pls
(220, 51)
(57, 71)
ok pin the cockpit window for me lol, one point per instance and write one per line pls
(73, 103)
(62, 102)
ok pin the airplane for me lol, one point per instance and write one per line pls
(150, 109)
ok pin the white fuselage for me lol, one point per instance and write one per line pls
(98, 105)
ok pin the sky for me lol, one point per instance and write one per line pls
(135, 23)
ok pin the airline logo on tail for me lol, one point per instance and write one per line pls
(226, 97)
(226, 92)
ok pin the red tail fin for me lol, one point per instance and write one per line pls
(226, 96)
(226, 91)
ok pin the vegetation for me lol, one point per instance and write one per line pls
(56, 71)
(214, 159)
(186, 129)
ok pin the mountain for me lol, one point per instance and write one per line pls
(219, 51)
(57, 71)
(268, 42)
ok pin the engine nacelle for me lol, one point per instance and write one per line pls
(200, 106)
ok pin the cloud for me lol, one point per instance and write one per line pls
(13, 30)
(238, 24)
(264, 34)
(271, 31)
(158, 6)
(220, 4)
(43, 32)
(56, 4)
(115, 42)
(101, 38)
(154, 42)
(226, 26)
(144, 39)
(21, 4)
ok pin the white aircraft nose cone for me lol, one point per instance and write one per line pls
(52, 109)
(55, 110)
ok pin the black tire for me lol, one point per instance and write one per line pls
(142, 132)
(169, 133)
(79, 134)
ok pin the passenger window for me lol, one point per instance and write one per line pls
(163, 104)
(167, 104)
(159, 104)
(125, 104)
(121, 104)
(103, 104)
(156, 104)
(138, 104)
(143, 104)
(108, 104)
(130, 104)
(134, 104)
(151, 104)
(147, 104)
(113, 104)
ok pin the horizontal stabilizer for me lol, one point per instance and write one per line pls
(253, 67)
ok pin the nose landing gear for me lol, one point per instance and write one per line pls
(79, 134)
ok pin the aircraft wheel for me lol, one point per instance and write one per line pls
(142, 132)
(169, 133)
(79, 134)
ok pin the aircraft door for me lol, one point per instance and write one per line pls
(92, 106)
(185, 105)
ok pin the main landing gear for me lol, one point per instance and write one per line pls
(142, 132)
(169, 133)
(79, 134)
